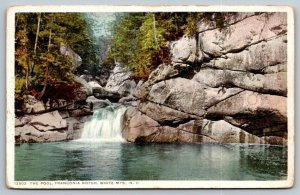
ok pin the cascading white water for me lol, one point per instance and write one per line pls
(104, 126)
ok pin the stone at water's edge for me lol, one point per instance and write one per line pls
(50, 126)
(135, 125)
(228, 86)
(41, 128)
(252, 111)
(95, 103)
(138, 127)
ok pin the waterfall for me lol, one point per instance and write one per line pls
(105, 125)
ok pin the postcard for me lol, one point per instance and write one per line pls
(108, 97)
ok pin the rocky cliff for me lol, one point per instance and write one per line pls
(225, 85)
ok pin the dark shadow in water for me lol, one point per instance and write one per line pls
(136, 162)
(70, 166)
(264, 162)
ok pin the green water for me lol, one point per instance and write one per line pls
(124, 161)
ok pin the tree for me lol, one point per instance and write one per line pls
(38, 39)
(150, 40)
(36, 42)
(139, 41)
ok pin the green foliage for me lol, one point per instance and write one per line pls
(125, 30)
(150, 40)
(139, 42)
(219, 18)
(190, 28)
(38, 39)
(19, 84)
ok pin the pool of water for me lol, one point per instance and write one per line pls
(84, 160)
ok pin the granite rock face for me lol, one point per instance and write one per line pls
(52, 126)
(67, 51)
(86, 89)
(32, 105)
(40, 128)
(119, 81)
(225, 85)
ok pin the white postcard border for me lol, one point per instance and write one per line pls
(111, 184)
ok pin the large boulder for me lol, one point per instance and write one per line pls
(252, 111)
(264, 58)
(96, 103)
(87, 77)
(46, 127)
(67, 51)
(94, 84)
(240, 35)
(51, 126)
(46, 121)
(137, 125)
(32, 105)
(251, 103)
(185, 50)
(166, 71)
(102, 93)
(85, 90)
(180, 94)
(274, 83)
(29, 134)
(120, 81)
(163, 114)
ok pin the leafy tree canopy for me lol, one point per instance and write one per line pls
(38, 38)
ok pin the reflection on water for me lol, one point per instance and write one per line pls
(78, 160)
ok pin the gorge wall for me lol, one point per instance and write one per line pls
(226, 85)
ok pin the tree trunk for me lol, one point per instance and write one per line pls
(27, 76)
(47, 64)
(35, 43)
(28, 67)
(50, 34)
(154, 31)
